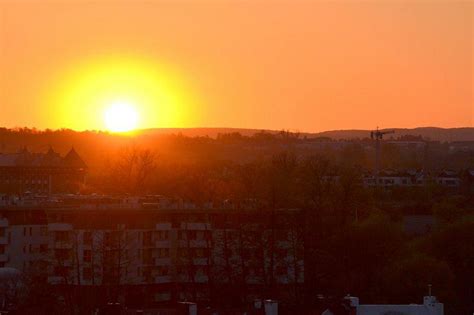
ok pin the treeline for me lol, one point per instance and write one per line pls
(98, 148)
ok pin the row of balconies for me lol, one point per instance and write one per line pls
(195, 226)
(283, 274)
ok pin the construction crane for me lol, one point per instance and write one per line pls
(377, 135)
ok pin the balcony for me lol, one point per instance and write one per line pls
(55, 280)
(3, 257)
(162, 244)
(163, 279)
(148, 262)
(195, 226)
(62, 244)
(200, 261)
(201, 278)
(163, 226)
(193, 243)
(60, 227)
(199, 243)
(166, 261)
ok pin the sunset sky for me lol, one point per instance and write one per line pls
(299, 65)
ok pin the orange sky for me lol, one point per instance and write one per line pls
(300, 65)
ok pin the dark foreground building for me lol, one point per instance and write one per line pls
(141, 253)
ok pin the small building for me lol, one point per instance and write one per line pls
(394, 178)
(430, 306)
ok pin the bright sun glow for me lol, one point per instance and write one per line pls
(122, 94)
(121, 117)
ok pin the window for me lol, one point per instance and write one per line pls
(200, 235)
(232, 235)
(61, 271)
(182, 252)
(43, 231)
(281, 253)
(62, 253)
(281, 235)
(87, 255)
(43, 248)
(201, 270)
(246, 253)
(87, 238)
(162, 235)
(192, 235)
(147, 273)
(107, 239)
(31, 231)
(163, 252)
(281, 270)
(109, 257)
(163, 271)
(162, 296)
(62, 236)
(147, 238)
(182, 270)
(199, 253)
(2, 249)
(87, 273)
(147, 257)
(2, 231)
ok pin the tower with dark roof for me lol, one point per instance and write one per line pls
(72, 159)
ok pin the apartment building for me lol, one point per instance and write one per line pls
(177, 254)
(415, 178)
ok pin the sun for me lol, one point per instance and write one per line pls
(121, 93)
(121, 117)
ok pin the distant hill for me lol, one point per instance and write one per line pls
(432, 133)
(201, 132)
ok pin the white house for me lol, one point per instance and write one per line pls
(430, 306)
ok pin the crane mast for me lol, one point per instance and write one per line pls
(377, 135)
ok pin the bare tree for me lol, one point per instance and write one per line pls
(118, 249)
(132, 169)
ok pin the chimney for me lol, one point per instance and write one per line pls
(433, 306)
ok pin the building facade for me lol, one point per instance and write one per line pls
(43, 173)
(176, 254)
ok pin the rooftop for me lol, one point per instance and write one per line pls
(25, 158)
